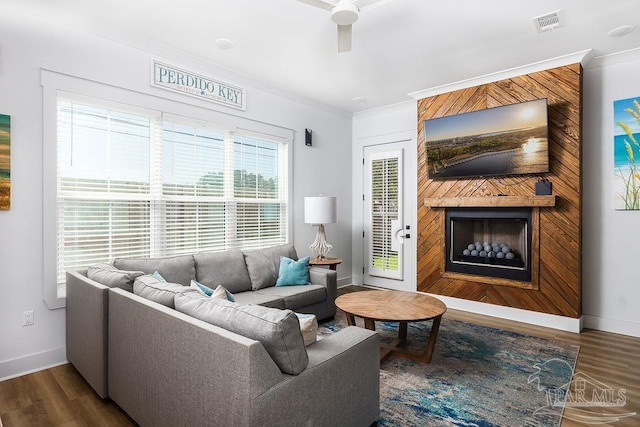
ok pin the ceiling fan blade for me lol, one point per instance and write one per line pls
(344, 38)
(319, 3)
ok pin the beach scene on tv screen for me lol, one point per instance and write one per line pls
(507, 140)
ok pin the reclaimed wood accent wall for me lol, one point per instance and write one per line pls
(558, 287)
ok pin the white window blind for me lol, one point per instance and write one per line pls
(259, 177)
(384, 210)
(103, 199)
(193, 190)
(130, 183)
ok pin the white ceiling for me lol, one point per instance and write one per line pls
(399, 46)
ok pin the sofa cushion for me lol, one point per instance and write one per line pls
(263, 265)
(293, 273)
(112, 277)
(223, 268)
(277, 330)
(257, 298)
(158, 291)
(179, 269)
(295, 297)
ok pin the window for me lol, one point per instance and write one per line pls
(134, 182)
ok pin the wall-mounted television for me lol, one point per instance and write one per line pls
(507, 140)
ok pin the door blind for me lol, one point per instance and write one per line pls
(384, 210)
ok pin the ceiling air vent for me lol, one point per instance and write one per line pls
(548, 21)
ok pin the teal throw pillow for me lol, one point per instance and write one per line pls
(292, 272)
(156, 275)
(205, 290)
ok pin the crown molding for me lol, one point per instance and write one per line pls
(385, 109)
(582, 57)
(615, 58)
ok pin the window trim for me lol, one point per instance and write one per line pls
(55, 83)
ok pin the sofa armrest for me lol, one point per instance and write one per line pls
(329, 279)
(341, 385)
(323, 276)
(87, 329)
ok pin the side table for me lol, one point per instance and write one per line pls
(331, 262)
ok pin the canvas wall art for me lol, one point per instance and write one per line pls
(5, 162)
(626, 153)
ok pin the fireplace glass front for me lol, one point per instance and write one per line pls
(494, 242)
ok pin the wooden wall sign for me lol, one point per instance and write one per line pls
(198, 85)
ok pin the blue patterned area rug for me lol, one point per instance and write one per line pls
(478, 376)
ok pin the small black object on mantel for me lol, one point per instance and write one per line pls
(543, 188)
(307, 137)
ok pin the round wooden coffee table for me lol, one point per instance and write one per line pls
(395, 306)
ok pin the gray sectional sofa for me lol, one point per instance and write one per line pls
(191, 360)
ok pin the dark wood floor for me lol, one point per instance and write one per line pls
(60, 397)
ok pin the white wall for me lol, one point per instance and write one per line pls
(610, 279)
(610, 275)
(27, 44)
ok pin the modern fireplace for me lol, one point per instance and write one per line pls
(493, 242)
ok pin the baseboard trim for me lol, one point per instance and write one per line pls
(32, 363)
(615, 326)
(345, 281)
(562, 323)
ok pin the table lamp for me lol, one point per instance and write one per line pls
(320, 210)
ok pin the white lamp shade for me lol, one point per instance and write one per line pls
(320, 210)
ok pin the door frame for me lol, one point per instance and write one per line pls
(359, 252)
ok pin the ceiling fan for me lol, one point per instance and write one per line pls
(344, 13)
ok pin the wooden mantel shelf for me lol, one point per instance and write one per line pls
(491, 201)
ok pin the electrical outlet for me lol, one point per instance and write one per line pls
(27, 318)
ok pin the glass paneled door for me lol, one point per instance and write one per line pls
(386, 229)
